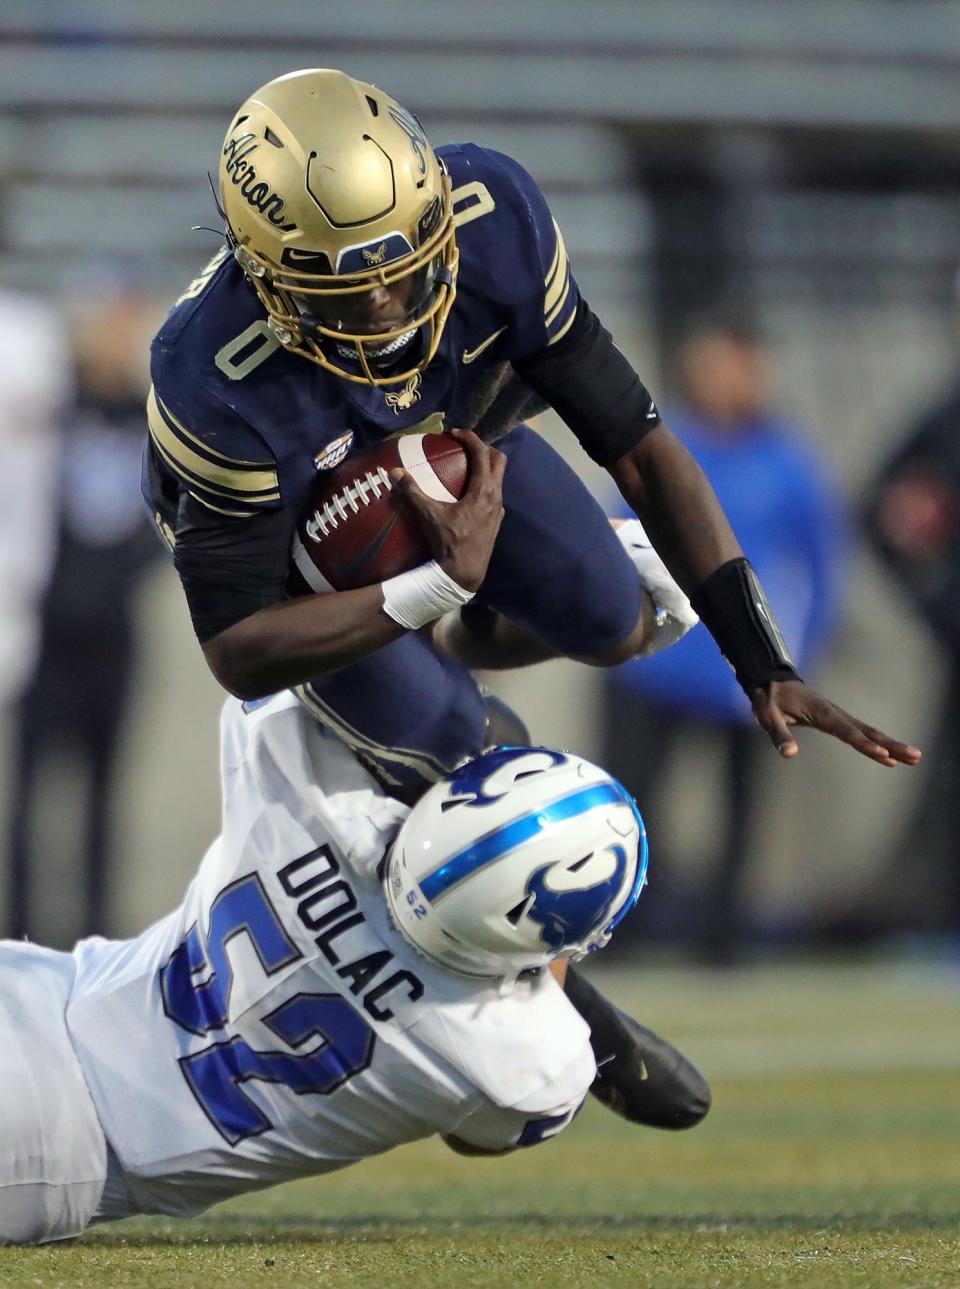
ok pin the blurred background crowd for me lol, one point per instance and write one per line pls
(759, 198)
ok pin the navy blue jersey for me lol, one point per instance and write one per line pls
(239, 428)
(244, 426)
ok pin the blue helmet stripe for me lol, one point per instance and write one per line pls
(497, 843)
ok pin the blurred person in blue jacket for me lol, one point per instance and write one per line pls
(785, 510)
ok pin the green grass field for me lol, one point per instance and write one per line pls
(831, 1158)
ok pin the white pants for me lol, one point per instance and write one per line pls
(53, 1156)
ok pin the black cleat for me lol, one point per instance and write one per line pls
(639, 1076)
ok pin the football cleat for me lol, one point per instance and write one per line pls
(334, 197)
(522, 856)
(640, 1076)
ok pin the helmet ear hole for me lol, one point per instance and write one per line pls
(516, 914)
(454, 801)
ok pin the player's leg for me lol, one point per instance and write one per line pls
(52, 1149)
(640, 1076)
(558, 569)
(409, 714)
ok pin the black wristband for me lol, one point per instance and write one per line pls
(734, 609)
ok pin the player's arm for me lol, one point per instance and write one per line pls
(491, 1130)
(256, 642)
(667, 488)
(596, 391)
(562, 351)
(461, 1147)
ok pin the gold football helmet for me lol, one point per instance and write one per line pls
(340, 214)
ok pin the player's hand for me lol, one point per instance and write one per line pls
(462, 533)
(785, 703)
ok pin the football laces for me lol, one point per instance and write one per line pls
(338, 508)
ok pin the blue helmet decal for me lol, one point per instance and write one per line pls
(500, 841)
(569, 917)
(468, 784)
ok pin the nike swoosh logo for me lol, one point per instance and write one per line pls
(643, 1071)
(470, 354)
(349, 570)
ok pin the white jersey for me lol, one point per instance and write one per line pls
(277, 1024)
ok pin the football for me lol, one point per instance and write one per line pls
(356, 531)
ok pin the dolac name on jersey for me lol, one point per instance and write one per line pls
(242, 424)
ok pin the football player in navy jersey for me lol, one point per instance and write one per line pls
(372, 286)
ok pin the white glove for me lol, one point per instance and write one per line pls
(675, 617)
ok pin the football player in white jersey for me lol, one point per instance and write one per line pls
(344, 975)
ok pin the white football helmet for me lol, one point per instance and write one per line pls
(521, 856)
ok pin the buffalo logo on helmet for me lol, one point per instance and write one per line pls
(567, 916)
(476, 783)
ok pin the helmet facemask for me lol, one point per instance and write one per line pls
(305, 312)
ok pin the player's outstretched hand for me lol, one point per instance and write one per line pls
(462, 533)
(784, 703)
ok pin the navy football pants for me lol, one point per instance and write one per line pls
(557, 569)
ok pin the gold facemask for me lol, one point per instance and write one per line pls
(340, 214)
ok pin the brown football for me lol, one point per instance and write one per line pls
(356, 531)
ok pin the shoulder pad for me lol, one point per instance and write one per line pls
(527, 1049)
(183, 432)
(187, 303)
(198, 435)
(510, 245)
